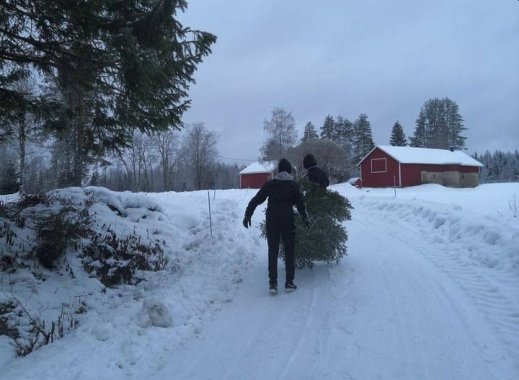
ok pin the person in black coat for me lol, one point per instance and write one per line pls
(282, 193)
(315, 174)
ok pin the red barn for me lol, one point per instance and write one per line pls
(401, 166)
(256, 174)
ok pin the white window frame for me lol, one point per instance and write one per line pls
(378, 159)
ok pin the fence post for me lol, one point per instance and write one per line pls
(210, 217)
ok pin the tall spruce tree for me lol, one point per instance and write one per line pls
(113, 66)
(343, 131)
(436, 124)
(363, 137)
(328, 128)
(419, 139)
(439, 125)
(397, 136)
(455, 125)
(310, 133)
(345, 136)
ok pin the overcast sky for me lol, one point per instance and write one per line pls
(344, 57)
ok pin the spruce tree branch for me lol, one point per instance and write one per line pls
(51, 47)
(35, 17)
(25, 58)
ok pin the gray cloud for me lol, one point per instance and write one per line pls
(381, 58)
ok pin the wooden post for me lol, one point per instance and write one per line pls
(210, 218)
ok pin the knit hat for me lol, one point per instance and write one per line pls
(309, 161)
(284, 166)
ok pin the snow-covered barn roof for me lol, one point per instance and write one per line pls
(411, 155)
(259, 167)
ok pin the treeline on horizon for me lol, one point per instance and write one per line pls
(189, 160)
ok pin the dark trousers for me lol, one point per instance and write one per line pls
(280, 225)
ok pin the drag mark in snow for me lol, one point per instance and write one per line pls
(306, 326)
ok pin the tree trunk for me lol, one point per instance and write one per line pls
(22, 129)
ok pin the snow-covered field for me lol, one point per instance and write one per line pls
(429, 290)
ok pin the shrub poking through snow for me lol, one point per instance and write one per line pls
(37, 332)
(325, 238)
(11, 244)
(116, 260)
(7, 233)
(60, 229)
(5, 328)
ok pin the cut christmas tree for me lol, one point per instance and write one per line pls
(325, 237)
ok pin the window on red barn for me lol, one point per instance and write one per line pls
(378, 165)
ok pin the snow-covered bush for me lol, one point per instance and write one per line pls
(42, 227)
(116, 260)
(59, 229)
(50, 231)
(37, 229)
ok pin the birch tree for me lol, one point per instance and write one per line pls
(281, 134)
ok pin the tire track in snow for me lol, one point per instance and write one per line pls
(450, 255)
(497, 307)
(443, 335)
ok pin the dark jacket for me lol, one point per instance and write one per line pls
(316, 175)
(282, 193)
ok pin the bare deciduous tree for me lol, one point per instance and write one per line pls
(330, 157)
(20, 127)
(138, 160)
(281, 134)
(199, 153)
(167, 147)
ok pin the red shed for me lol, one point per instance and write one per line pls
(401, 166)
(256, 174)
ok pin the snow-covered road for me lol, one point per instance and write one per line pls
(398, 307)
(429, 290)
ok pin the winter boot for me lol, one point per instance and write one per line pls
(290, 287)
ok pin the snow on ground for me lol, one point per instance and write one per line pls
(9, 197)
(429, 290)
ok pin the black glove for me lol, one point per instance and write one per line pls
(246, 221)
(306, 223)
